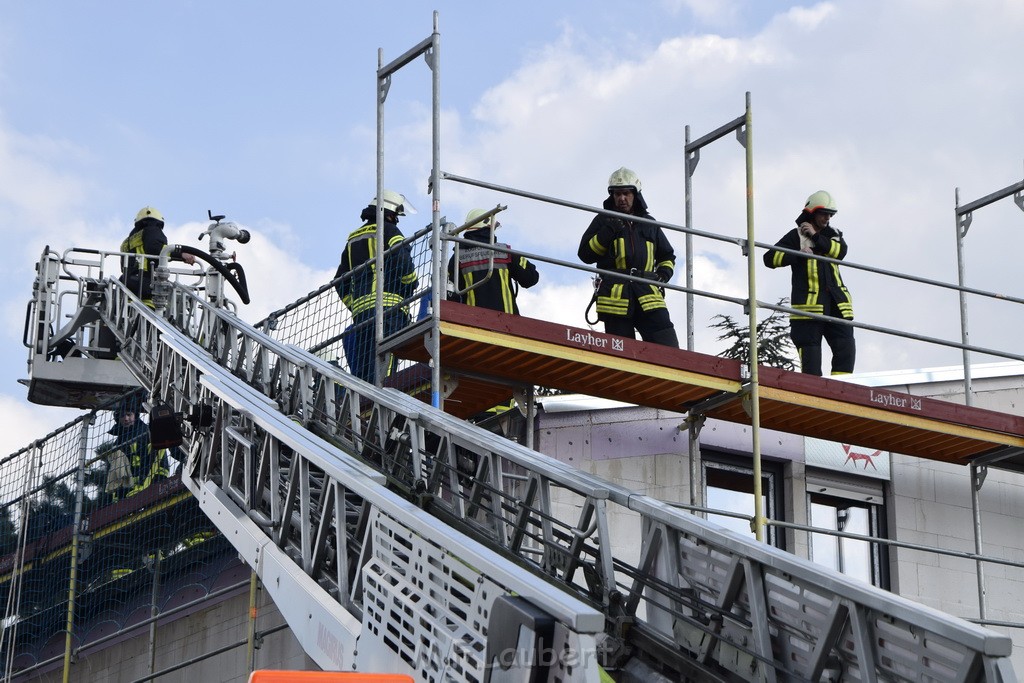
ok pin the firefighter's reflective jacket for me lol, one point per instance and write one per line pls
(633, 248)
(358, 291)
(488, 278)
(814, 283)
(147, 238)
(145, 465)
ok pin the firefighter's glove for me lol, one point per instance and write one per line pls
(662, 275)
(608, 232)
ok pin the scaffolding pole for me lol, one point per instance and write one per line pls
(430, 49)
(964, 215)
(76, 543)
(742, 126)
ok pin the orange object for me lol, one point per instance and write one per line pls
(271, 676)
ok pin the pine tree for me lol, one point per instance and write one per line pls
(774, 346)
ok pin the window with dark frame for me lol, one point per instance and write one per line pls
(729, 486)
(852, 507)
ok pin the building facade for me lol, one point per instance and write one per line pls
(903, 523)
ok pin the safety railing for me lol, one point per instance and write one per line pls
(927, 553)
(695, 590)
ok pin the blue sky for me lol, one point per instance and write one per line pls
(265, 112)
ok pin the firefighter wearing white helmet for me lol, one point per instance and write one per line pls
(145, 241)
(487, 278)
(617, 244)
(356, 283)
(817, 287)
(624, 178)
(820, 201)
(393, 202)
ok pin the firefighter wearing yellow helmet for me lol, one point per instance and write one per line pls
(145, 242)
(356, 282)
(618, 244)
(485, 277)
(817, 287)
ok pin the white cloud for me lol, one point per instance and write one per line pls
(40, 193)
(809, 19)
(26, 422)
(274, 276)
(565, 304)
(713, 12)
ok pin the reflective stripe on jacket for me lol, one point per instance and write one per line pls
(146, 239)
(359, 291)
(496, 291)
(639, 249)
(814, 282)
(147, 473)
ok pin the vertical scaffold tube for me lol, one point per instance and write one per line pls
(83, 448)
(437, 274)
(688, 192)
(755, 410)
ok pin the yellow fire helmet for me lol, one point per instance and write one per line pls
(148, 212)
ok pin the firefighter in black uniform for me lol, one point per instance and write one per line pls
(639, 249)
(142, 465)
(817, 287)
(358, 290)
(487, 278)
(147, 238)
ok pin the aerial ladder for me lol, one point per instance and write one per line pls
(348, 501)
